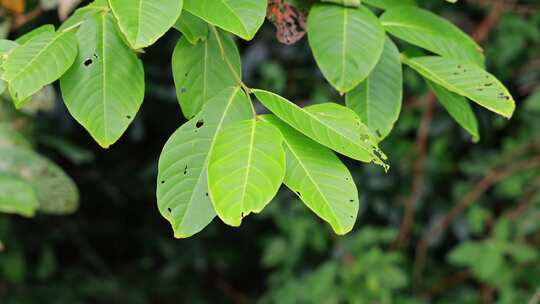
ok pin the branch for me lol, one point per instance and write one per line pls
(422, 137)
(491, 178)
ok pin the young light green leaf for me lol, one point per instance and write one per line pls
(17, 196)
(431, 32)
(466, 79)
(246, 169)
(202, 70)
(329, 124)
(388, 4)
(193, 28)
(83, 13)
(104, 89)
(459, 108)
(346, 42)
(240, 17)
(56, 192)
(351, 3)
(47, 28)
(182, 189)
(319, 178)
(143, 22)
(38, 62)
(377, 100)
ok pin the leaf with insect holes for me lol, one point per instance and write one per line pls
(466, 79)
(319, 178)
(246, 169)
(377, 100)
(458, 107)
(104, 88)
(182, 189)
(204, 69)
(329, 124)
(431, 32)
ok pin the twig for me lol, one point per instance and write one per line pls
(419, 172)
(524, 204)
(484, 29)
(20, 20)
(481, 187)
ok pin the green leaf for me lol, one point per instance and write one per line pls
(38, 62)
(319, 178)
(458, 107)
(84, 13)
(182, 189)
(388, 4)
(346, 42)
(47, 28)
(431, 32)
(246, 169)
(351, 3)
(377, 100)
(17, 196)
(56, 192)
(104, 89)
(7, 46)
(201, 71)
(143, 22)
(194, 29)
(241, 17)
(329, 124)
(466, 79)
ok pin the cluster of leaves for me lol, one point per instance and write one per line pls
(227, 160)
(28, 181)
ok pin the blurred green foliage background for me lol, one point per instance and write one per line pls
(474, 230)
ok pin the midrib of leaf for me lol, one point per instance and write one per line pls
(139, 21)
(367, 103)
(24, 69)
(225, 58)
(205, 69)
(104, 70)
(250, 155)
(329, 126)
(344, 46)
(311, 178)
(218, 128)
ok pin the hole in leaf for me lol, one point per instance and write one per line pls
(88, 62)
(128, 116)
(169, 209)
(163, 182)
(378, 133)
(199, 123)
(185, 170)
(206, 194)
(242, 215)
(299, 194)
(352, 201)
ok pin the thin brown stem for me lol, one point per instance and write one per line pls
(422, 137)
